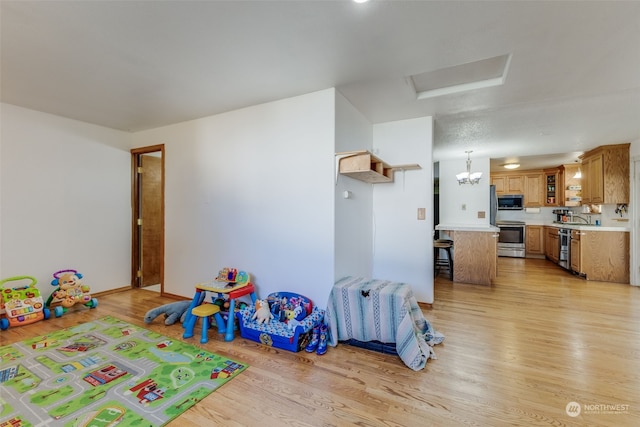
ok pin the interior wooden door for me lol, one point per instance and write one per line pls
(148, 217)
(151, 215)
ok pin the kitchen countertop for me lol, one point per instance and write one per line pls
(493, 229)
(467, 227)
(587, 227)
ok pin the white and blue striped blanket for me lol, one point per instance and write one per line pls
(380, 310)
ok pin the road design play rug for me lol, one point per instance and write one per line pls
(104, 373)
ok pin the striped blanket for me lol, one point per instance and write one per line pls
(378, 310)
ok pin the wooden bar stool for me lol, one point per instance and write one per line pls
(204, 311)
(440, 263)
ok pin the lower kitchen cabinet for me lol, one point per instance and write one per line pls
(475, 255)
(534, 240)
(601, 255)
(576, 258)
(552, 244)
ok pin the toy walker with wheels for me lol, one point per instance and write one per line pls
(21, 305)
(69, 292)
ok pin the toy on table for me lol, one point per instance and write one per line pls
(172, 312)
(69, 292)
(238, 285)
(233, 277)
(21, 305)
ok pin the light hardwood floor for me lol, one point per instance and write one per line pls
(515, 353)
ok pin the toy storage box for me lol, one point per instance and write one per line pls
(275, 333)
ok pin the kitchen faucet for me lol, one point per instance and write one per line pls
(571, 215)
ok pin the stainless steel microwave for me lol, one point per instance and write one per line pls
(510, 202)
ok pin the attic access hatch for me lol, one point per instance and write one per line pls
(364, 166)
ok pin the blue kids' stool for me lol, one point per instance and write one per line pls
(204, 311)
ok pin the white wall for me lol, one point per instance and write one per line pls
(2, 106)
(252, 189)
(354, 224)
(634, 148)
(453, 196)
(65, 200)
(403, 245)
(634, 211)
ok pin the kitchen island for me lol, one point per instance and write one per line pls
(475, 252)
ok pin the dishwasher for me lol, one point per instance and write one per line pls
(564, 257)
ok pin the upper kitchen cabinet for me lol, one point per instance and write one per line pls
(570, 187)
(529, 183)
(508, 183)
(562, 188)
(533, 189)
(553, 188)
(605, 175)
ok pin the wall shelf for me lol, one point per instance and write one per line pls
(364, 166)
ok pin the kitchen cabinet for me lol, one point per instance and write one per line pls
(553, 187)
(576, 260)
(605, 175)
(585, 193)
(601, 255)
(508, 183)
(529, 183)
(552, 244)
(475, 255)
(533, 190)
(534, 240)
(561, 188)
(593, 180)
(570, 187)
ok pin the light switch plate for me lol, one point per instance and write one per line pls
(422, 214)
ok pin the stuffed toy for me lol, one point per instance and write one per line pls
(262, 311)
(172, 312)
(70, 289)
(294, 316)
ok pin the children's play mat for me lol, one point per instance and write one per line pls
(103, 373)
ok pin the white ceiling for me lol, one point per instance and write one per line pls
(573, 81)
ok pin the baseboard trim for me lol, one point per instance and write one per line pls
(112, 291)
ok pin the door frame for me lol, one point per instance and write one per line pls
(634, 208)
(136, 153)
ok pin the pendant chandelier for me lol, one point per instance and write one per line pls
(468, 177)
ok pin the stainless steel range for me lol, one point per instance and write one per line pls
(511, 239)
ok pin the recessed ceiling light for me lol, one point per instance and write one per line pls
(511, 165)
(360, 1)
